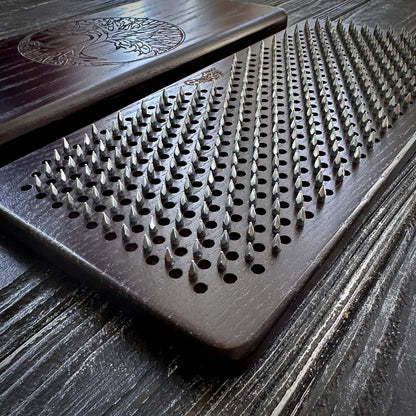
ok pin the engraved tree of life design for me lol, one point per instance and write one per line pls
(102, 41)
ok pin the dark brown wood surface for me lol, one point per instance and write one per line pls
(48, 75)
(64, 350)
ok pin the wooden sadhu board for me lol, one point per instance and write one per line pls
(215, 204)
(49, 74)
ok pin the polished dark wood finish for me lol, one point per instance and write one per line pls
(65, 350)
(262, 289)
(69, 67)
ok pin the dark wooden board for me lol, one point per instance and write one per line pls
(65, 351)
(213, 305)
(55, 71)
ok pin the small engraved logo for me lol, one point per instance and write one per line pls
(206, 76)
(103, 41)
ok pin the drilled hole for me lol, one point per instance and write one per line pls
(259, 247)
(137, 228)
(211, 224)
(189, 214)
(200, 288)
(232, 255)
(130, 247)
(181, 251)
(152, 260)
(164, 221)
(309, 214)
(258, 268)
(204, 264)
(175, 273)
(230, 278)
(208, 243)
(234, 236)
(185, 232)
(285, 239)
(159, 239)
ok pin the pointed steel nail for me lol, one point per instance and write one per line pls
(152, 225)
(227, 221)
(105, 221)
(174, 238)
(120, 189)
(113, 204)
(197, 249)
(86, 210)
(229, 205)
(340, 174)
(193, 272)
(164, 192)
(120, 120)
(250, 232)
(201, 232)
(115, 128)
(48, 169)
(54, 192)
(66, 146)
(145, 185)
(169, 260)
(38, 183)
(147, 244)
(221, 262)
(276, 244)
(179, 219)
(357, 155)
(62, 176)
(87, 142)
(133, 215)
(204, 211)
(299, 200)
(321, 194)
(70, 203)
(125, 232)
(276, 207)
(96, 197)
(319, 179)
(276, 224)
(301, 217)
(249, 254)
(225, 240)
(102, 180)
(252, 214)
(94, 131)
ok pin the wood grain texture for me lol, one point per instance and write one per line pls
(63, 350)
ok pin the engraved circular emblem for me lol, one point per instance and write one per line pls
(103, 41)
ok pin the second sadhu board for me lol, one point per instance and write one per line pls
(57, 70)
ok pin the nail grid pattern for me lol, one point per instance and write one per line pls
(211, 185)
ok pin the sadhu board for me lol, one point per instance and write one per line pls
(49, 74)
(214, 203)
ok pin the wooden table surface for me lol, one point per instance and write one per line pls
(64, 350)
